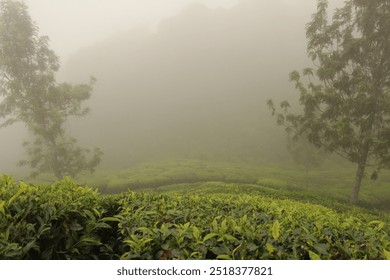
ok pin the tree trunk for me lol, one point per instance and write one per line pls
(360, 173)
(358, 181)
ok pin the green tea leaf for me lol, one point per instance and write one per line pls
(386, 254)
(276, 230)
(227, 237)
(89, 241)
(224, 257)
(314, 256)
(75, 227)
(270, 248)
(214, 224)
(2, 203)
(223, 224)
(321, 248)
(16, 195)
(110, 219)
(196, 232)
(378, 224)
(209, 236)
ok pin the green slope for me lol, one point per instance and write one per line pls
(211, 220)
(331, 181)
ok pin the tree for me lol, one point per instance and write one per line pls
(31, 95)
(346, 99)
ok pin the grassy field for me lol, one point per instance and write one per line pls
(330, 182)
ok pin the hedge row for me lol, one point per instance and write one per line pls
(68, 221)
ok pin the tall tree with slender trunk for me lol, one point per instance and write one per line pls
(31, 95)
(346, 97)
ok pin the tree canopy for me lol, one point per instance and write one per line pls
(31, 95)
(346, 95)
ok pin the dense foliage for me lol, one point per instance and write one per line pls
(67, 221)
(346, 98)
(30, 94)
(59, 221)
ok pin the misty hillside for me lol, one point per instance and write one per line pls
(194, 164)
(195, 87)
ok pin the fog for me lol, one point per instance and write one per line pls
(175, 78)
(72, 24)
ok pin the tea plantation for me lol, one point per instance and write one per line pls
(211, 220)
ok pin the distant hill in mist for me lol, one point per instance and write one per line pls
(195, 87)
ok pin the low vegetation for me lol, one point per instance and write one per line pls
(330, 181)
(206, 220)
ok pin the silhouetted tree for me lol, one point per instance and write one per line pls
(31, 95)
(346, 100)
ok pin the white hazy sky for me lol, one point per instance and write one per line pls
(72, 24)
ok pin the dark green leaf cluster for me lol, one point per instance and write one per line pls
(59, 221)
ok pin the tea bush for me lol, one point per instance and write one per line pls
(211, 220)
(59, 221)
(240, 226)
